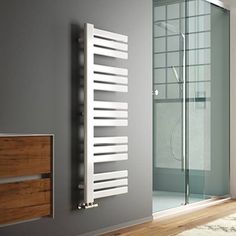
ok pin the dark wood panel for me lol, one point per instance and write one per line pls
(9, 216)
(25, 200)
(26, 155)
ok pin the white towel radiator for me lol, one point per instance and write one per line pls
(104, 114)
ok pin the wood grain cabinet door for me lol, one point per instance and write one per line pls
(21, 156)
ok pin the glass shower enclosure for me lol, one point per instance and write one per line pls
(190, 102)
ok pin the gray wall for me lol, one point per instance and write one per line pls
(36, 61)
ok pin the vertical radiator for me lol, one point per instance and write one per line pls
(104, 114)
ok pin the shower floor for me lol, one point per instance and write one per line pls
(163, 200)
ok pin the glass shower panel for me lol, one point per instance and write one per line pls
(208, 100)
(198, 110)
(190, 102)
(168, 106)
(217, 176)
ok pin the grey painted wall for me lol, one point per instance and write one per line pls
(35, 97)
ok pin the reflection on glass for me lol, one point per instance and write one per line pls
(173, 91)
(159, 76)
(173, 76)
(173, 11)
(160, 60)
(199, 57)
(159, 45)
(159, 13)
(159, 31)
(173, 43)
(199, 40)
(201, 73)
(173, 59)
(199, 23)
(174, 26)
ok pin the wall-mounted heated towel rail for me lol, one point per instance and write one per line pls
(104, 114)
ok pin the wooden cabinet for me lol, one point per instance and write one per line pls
(26, 177)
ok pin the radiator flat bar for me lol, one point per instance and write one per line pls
(111, 175)
(110, 105)
(110, 53)
(111, 114)
(111, 44)
(110, 35)
(110, 70)
(110, 149)
(110, 184)
(110, 192)
(107, 140)
(110, 78)
(110, 87)
(110, 122)
(110, 158)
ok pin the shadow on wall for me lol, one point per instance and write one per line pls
(77, 99)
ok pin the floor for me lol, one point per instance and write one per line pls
(163, 200)
(175, 225)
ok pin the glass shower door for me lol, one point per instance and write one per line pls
(169, 172)
(207, 110)
(190, 102)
